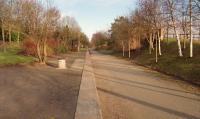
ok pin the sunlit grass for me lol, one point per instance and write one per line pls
(12, 57)
(169, 62)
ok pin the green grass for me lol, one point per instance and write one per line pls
(12, 57)
(183, 67)
(83, 49)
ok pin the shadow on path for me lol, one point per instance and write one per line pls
(177, 113)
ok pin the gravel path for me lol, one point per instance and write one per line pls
(128, 91)
(40, 92)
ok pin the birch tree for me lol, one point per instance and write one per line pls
(171, 7)
(191, 37)
(3, 17)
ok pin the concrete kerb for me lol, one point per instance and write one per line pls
(88, 105)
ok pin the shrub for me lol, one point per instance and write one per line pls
(52, 43)
(56, 46)
(61, 49)
(29, 47)
(50, 51)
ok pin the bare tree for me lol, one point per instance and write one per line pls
(171, 7)
(191, 37)
(3, 16)
(120, 33)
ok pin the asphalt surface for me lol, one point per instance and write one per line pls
(41, 92)
(128, 91)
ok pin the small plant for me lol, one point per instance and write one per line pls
(61, 49)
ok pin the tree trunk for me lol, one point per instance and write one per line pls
(3, 37)
(150, 44)
(199, 33)
(178, 42)
(123, 48)
(9, 33)
(174, 26)
(159, 44)
(184, 40)
(129, 49)
(153, 38)
(156, 50)
(39, 51)
(44, 51)
(18, 37)
(191, 38)
(167, 35)
(78, 47)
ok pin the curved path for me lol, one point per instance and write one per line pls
(128, 91)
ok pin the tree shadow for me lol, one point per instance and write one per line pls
(157, 107)
(149, 89)
(140, 83)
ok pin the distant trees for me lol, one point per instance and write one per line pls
(72, 34)
(120, 32)
(100, 40)
(38, 21)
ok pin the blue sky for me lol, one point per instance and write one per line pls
(94, 15)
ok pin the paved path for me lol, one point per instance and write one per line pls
(40, 92)
(128, 91)
(88, 106)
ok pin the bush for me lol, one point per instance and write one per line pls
(50, 51)
(52, 43)
(61, 49)
(53, 47)
(29, 47)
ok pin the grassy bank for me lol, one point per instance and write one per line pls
(186, 68)
(12, 57)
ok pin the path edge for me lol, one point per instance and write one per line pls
(88, 104)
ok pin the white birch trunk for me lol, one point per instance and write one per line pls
(159, 44)
(178, 42)
(129, 49)
(9, 33)
(3, 37)
(170, 4)
(184, 40)
(156, 50)
(123, 48)
(191, 37)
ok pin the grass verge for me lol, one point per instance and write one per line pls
(12, 57)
